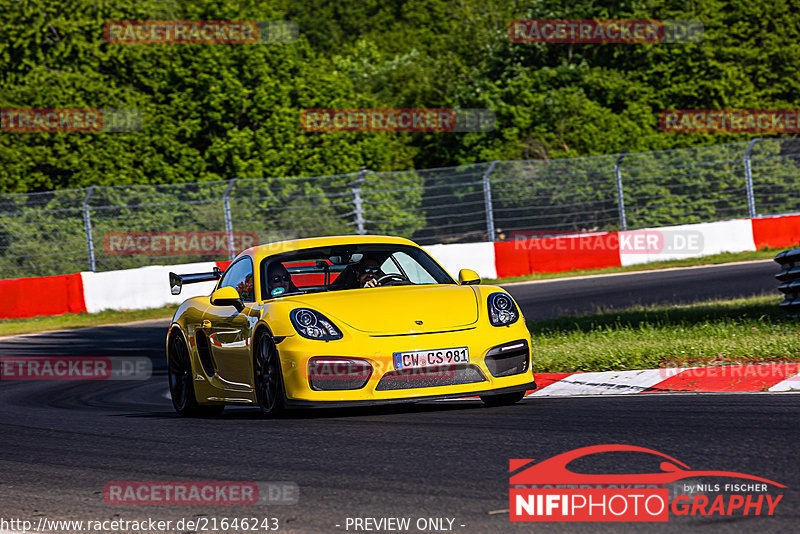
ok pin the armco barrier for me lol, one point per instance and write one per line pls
(148, 287)
(47, 295)
(789, 276)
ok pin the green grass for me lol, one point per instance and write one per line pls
(715, 332)
(10, 327)
(716, 259)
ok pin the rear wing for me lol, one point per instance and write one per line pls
(176, 281)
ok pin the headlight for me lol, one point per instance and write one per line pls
(314, 325)
(502, 310)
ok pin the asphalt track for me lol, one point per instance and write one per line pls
(569, 296)
(62, 442)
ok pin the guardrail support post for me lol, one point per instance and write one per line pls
(623, 221)
(748, 176)
(226, 206)
(487, 200)
(358, 207)
(87, 225)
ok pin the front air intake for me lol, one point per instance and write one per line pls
(336, 374)
(444, 375)
(508, 359)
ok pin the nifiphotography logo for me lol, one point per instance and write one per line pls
(550, 491)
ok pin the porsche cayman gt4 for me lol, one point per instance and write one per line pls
(343, 321)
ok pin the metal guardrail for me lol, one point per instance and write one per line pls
(789, 261)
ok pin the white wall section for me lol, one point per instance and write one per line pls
(685, 241)
(476, 256)
(145, 287)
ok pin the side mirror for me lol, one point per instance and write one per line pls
(227, 296)
(175, 284)
(467, 277)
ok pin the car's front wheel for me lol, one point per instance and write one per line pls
(503, 400)
(181, 383)
(267, 377)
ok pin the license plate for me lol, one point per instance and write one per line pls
(430, 358)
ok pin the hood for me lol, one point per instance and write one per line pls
(395, 309)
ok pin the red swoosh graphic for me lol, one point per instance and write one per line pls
(554, 470)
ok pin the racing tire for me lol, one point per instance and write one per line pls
(506, 399)
(181, 382)
(267, 377)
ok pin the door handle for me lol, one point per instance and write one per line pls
(206, 324)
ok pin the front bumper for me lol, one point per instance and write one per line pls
(296, 351)
(294, 403)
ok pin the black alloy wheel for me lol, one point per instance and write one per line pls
(267, 377)
(181, 381)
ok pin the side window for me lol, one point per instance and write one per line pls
(389, 267)
(240, 277)
(412, 269)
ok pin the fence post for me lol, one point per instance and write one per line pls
(623, 220)
(487, 200)
(87, 225)
(226, 206)
(358, 208)
(748, 176)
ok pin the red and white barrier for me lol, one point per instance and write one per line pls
(476, 256)
(686, 241)
(556, 254)
(148, 287)
(598, 251)
(137, 289)
(777, 232)
(45, 295)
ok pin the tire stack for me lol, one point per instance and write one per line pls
(789, 260)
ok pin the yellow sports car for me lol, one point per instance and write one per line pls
(343, 321)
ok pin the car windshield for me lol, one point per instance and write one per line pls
(344, 267)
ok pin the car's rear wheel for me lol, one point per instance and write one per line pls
(181, 382)
(503, 400)
(267, 377)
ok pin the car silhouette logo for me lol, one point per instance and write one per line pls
(554, 470)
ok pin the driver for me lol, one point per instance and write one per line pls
(280, 281)
(368, 272)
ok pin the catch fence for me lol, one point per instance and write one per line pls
(107, 228)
